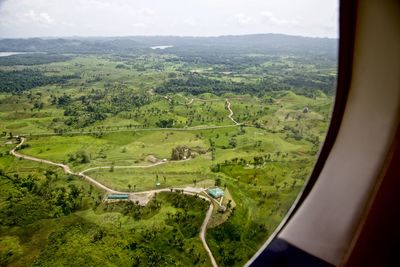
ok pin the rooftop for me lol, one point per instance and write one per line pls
(215, 192)
(118, 196)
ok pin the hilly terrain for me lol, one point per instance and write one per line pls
(159, 120)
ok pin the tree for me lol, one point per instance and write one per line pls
(233, 210)
(129, 187)
(232, 143)
(180, 152)
(74, 191)
(165, 123)
(82, 157)
(175, 154)
(229, 204)
(38, 105)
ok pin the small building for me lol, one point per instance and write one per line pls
(152, 159)
(222, 209)
(215, 192)
(118, 197)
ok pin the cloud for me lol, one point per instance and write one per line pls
(147, 12)
(277, 21)
(242, 19)
(45, 17)
(42, 18)
(68, 24)
(138, 25)
(191, 21)
(22, 18)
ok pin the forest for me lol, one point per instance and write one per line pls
(32, 59)
(272, 44)
(16, 81)
(196, 84)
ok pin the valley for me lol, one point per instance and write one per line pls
(162, 126)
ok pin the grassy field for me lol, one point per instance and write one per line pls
(31, 234)
(264, 192)
(175, 175)
(262, 164)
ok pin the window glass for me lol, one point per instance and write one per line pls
(157, 133)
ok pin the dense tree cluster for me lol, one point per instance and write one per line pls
(169, 244)
(185, 152)
(186, 220)
(196, 84)
(228, 238)
(180, 152)
(98, 105)
(17, 81)
(167, 123)
(30, 199)
(32, 59)
(80, 157)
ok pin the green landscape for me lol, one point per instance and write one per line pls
(87, 119)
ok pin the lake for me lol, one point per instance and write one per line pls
(162, 47)
(6, 54)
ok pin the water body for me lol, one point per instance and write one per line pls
(162, 47)
(6, 54)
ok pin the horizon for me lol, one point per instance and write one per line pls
(209, 18)
(174, 36)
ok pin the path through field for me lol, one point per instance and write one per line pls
(142, 197)
(230, 112)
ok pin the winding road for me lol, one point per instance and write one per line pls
(194, 128)
(228, 105)
(142, 197)
(230, 112)
(203, 235)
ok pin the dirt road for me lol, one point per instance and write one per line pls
(141, 197)
(230, 112)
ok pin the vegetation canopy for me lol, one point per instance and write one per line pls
(87, 119)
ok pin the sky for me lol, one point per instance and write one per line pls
(52, 18)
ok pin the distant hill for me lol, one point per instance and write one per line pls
(66, 45)
(256, 43)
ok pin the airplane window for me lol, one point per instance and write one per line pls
(157, 133)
